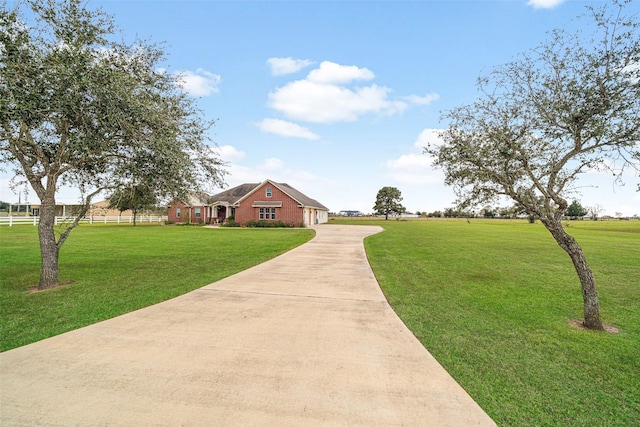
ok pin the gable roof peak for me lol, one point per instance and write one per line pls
(237, 194)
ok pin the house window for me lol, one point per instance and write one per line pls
(267, 213)
(177, 212)
(197, 212)
(268, 192)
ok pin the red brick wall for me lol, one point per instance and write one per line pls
(171, 214)
(187, 213)
(289, 212)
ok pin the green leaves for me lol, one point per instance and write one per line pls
(569, 106)
(575, 210)
(81, 110)
(96, 113)
(388, 202)
(566, 107)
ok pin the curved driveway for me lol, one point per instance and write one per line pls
(306, 339)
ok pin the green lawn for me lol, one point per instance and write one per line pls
(492, 299)
(119, 268)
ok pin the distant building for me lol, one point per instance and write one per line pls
(350, 213)
(63, 210)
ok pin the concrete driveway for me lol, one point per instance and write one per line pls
(306, 339)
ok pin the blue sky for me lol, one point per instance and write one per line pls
(337, 98)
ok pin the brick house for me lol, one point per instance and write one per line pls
(194, 210)
(269, 201)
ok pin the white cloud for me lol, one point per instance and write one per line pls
(410, 178)
(409, 161)
(229, 153)
(428, 137)
(422, 100)
(286, 129)
(544, 4)
(332, 73)
(415, 167)
(200, 82)
(275, 169)
(283, 66)
(321, 103)
(328, 95)
(272, 164)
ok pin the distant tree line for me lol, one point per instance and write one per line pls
(575, 211)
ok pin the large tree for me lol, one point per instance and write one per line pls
(569, 106)
(388, 202)
(80, 109)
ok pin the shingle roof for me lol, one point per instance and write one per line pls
(301, 198)
(234, 194)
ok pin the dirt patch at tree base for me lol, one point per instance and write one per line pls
(577, 323)
(34, 289)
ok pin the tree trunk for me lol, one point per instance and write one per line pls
(48, 246)
(587, 281)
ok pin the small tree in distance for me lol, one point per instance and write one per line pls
(569, 106)
(135, 198)
(388, 202)
(595, 211)
(575, 210)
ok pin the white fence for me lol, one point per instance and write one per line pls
(33, 220)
